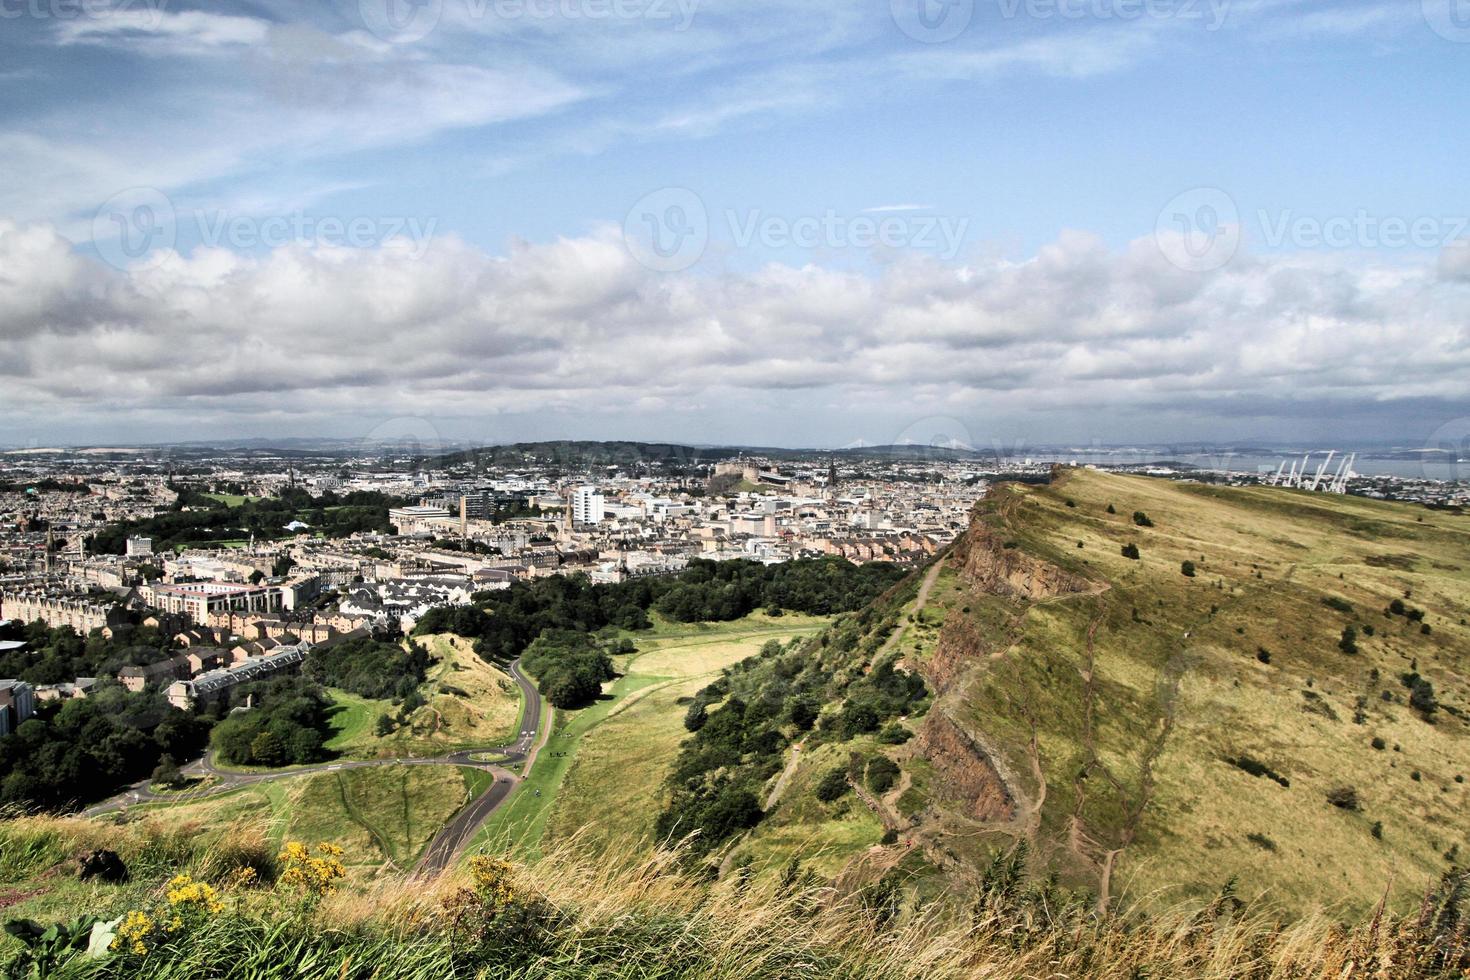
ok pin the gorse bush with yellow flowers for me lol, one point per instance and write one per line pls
(314, 874)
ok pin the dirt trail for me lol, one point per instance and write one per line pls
(784, 779)
(919, 601)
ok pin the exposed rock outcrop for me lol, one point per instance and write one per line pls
(994, 568)
(968, 778)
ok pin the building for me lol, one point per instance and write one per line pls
(198, 600)
(139, 547)
(187, 694)
(81, 613)
(422, 519)
(588, 505)
(136, 677)
(17, 703)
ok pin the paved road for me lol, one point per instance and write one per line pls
(447, 844)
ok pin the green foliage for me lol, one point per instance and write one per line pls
(1141, 519)
(569, 667)
(1186, 568)
(49, 948)
(881, 774)
(51, 656)
(288, 727)
(77, 751)
(1130, 550)
(368, 666)
(833, 785)
(1349, 640)
(1338, 603)
(209, 520)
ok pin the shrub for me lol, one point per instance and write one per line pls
(1334, 602)
(1141, 519)
(1186, 568)
(1263, 655)
(1130, 551)
(894, 734)
(1379, 743)
(1262, 841)
(696, 716)
(882, 774)
(1111, 509)
(833, 785)
(1348, 643)
(1421, 697)
(1344, 798)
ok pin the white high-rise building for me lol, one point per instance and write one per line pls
(587, 505)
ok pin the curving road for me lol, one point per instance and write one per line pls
(448, 843)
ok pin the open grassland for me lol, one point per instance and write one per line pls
(383, 815)
(1191, 730)
(603, 767)
(468, 703)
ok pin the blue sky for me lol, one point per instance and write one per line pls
(1059, 220)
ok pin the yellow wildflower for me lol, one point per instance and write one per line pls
(133, 932)
(186, 894)
(314, 874)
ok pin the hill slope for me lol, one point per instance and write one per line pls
(1148, 733)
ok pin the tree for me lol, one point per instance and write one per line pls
(696, 716)
(1422, 699)
(266, 749)
(832, 785)
(167, 773)
(384, 726)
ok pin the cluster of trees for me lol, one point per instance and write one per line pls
(369, 666)
(829, 689)
(505, 621)
(75, 752)
(569, 667)
(729, 590)
(289, 725)
(198, 518)
(51, 656)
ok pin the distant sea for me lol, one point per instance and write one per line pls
(1412, 469)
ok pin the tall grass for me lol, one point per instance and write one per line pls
(582, 912)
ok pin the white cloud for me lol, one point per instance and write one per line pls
(576, 323)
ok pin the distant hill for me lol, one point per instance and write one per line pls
(1273, 693)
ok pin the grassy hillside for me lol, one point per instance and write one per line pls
(1150, 735)
(467, 702)
(244, 911)
(602, 770)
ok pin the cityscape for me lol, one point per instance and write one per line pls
(734, 490)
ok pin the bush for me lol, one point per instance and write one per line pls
(1186, 568)
(1379, 744)
(1130, 551)
(894, 734)
(1348, 643)
(833, 785)
(882, 774)
(1341, 605)
(1344, 798)
(696, 716)
(1141, 519)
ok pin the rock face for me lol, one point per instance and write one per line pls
(968, 779)
(103, 866)
(961, 644)
(992, 567)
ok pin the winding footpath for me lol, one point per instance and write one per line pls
(451, 839)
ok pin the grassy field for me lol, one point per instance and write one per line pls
(229, 499)
(1189, 729)
(469, 703)
(383, 816)
(602, 769)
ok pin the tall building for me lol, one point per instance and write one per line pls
(587, 505)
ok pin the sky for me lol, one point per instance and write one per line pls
(769, 222)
